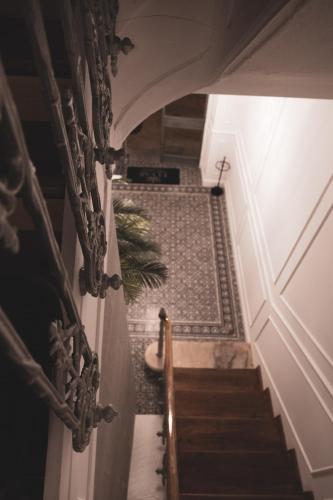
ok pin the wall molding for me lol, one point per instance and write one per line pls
(243, 190)
(309, 334)
(306, 377)
(253, 214)
(246, 178)
(286, 303)
(312, 469)
(247, 223)
(303, 230)
(307, 247)
(238, 264)
(260, 170)
(304, 352)
(305, 355)
(242, 222)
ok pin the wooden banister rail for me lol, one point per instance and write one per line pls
(170, 419)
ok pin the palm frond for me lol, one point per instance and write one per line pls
(151, 273)
(127, 207)
(138, 273)
(138, 253)
(130, 227)
(136, 245)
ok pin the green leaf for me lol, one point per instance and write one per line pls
(139, 254)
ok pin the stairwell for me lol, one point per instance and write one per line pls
(229, 444)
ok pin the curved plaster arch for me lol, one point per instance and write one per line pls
(177, 51)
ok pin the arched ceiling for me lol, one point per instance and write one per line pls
(182, 46)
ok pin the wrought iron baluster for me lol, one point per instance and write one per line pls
(98, 72)
(76, 152)
(72, 396)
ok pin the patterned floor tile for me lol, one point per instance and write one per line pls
(148, 385)
(201, 295)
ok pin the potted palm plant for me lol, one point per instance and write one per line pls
(139, 254)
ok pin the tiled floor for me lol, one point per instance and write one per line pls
(148, 384)
(200, 296)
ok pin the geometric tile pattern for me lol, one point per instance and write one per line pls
(148, 384)
(191, 292)
(201, 294)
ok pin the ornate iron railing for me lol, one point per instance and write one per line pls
(76, 378)
(95, 41)
(71, 392)
(75, 146)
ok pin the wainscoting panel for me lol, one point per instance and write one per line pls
(299, 399)
(281, 182)
(314, 311)
(236, 183)
(310, 360)
(254, 290)
(255, 131)
(296, 173)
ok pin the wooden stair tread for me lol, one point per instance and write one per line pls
(250, 404)
(280, 496)
(200, 433)
(211, 379)
(229, 444)
(232, 472)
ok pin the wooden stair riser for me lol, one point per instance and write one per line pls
(250, 404)
(209, 379)
(238, 473)
(229, 434)
(301, 496)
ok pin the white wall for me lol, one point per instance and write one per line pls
(180, 46)
(147, 456)
(176, 52)
(291, 56)
(279, 193)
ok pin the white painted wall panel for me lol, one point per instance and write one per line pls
(257, 120)
(279, 191)
(310, 290)
(255, 295)
(224, 109)
(296, 172)
(235, 181)
(297, 394)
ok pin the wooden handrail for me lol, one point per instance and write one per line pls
(170, 419)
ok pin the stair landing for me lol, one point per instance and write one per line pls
(202, 354)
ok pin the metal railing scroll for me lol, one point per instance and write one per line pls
(72, 392)
(81, 144)
(169, 470)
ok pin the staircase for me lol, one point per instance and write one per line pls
(229, 444)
